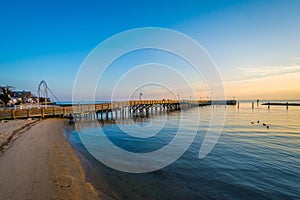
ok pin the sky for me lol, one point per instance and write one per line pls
(255, 45)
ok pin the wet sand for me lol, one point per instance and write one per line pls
(41, 164)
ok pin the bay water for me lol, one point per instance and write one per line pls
(249, 161)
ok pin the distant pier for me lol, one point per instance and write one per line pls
(287, 104)
(282, 104)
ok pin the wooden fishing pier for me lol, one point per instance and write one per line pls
(287, 104)
(105, 111)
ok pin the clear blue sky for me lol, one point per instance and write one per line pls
(251, 42)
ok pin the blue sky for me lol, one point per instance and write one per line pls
(253, 43)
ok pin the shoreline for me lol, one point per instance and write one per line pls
(41, 164)
(94, 174)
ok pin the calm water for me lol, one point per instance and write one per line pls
(248, 162)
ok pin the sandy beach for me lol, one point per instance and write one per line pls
(41, 164)
(11, 129)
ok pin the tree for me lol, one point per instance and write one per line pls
(5, 95)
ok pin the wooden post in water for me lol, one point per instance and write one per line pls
(287, 105)
(81, 110)
(124, 110)
(238, 105)
(268, 105)
(252, 105)
(129, 108)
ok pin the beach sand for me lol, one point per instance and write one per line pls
(41, 164)
(10, 130)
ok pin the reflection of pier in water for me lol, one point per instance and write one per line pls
(134, 120)
(142, 116)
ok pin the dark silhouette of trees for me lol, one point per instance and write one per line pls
(5, 94)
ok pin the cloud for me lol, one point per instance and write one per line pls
(271, 71)
(265, 82)
(250, 74)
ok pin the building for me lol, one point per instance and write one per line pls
(22, 96)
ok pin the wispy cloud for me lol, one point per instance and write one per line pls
(265, 82)
(271, 71)
(249, 74)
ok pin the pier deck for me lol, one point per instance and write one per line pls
(103, 110)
